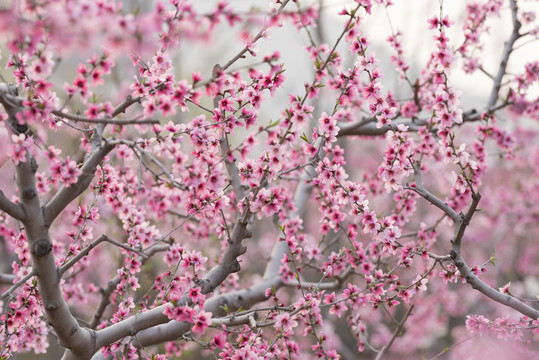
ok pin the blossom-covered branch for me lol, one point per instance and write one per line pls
(291, 202)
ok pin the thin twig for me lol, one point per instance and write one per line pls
(505, 56)
(103, 120)
(424, 193)
(84, 252)
(395, 334)
(10, 291)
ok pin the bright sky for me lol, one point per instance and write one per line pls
(409, 16)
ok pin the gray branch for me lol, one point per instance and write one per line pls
(84, 119)
(111, 285)
(424, 193)
(471, 278)
(367, 127)
(490, 292)
(231, 166)
(509, 45)
(396, 333)
(14, 210)
(7, 279)
(67, 194)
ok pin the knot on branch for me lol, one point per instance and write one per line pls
(74, 329)
(243, 250)
(52, 307)
(28, 194)
(235, 266)
(33, 165)
(42, 248)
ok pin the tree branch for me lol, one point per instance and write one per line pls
(368, 127)
(242, 52)
(111, 285)
(84, 252)
(505, 56)
(67, 194)
(133, 145)
(471, 278)
(10, 291)
(68, 331)
(7, 279)
(12, 209)
(490, 292)
(396, 333)
(231, 167)
(233, 301)
(78, 118)
(424, 193)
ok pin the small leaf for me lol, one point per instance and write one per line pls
(273, 123)
(493, 259)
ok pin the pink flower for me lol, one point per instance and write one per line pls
(505, 289)
(161, 63)
(196, 296)
(19, 147)
(201, 322)
(370, 222)
(285, 323)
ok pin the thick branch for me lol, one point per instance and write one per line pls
(7, 279)
(14, 210)
(233, 301)
(226, 266)
(368, 127)
(66, 327)
(112, 284)
(471, 278)
(229, 262)
(67, 194)
(490, 292)
(129, 100)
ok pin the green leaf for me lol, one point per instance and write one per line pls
(272, 123)
(493, 259)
